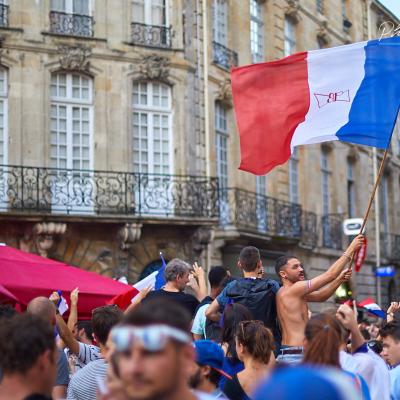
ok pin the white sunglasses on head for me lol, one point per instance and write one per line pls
(152, 337)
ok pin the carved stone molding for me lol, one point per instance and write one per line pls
(201, 238)
(128, 235)
(224, 93)
(44, 235)
(292, 10)
(74, 57)
(153, 67)
(323, 36)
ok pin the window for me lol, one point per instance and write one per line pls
(3, 12)
(290, 37)
(71, 17)
(150, 12)
(151, 124)
(3, 117)
(350, 189)
(325, 171)
(384, 203)
(261, 203)
(221, 127)
(294, 177)
(256, 31)
(220, 27)
(320, 6)
(71, 121)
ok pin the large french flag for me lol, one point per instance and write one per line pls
(372, 307)
(349, 93)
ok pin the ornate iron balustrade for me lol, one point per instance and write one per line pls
(151, 35)
(4, 15)
(224, 57)
(390, 246)
(71, 24)
(266, 215)
(75, 192)
(332, 237)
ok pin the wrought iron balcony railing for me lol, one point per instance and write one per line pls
(71, 24)
(390, 246)
(4, 15)
(265, 215)
(224, 57)
(151, 35)
(76, 192)
(332, 236)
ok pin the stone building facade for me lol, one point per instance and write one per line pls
(118, 138)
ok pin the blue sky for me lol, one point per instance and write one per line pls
(393, 6)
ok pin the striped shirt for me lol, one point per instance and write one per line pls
(88, 352)
(84, 384)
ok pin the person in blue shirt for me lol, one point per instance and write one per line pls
(390, 335)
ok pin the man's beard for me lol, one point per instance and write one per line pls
(194, 380)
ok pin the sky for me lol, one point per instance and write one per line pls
(393, 6)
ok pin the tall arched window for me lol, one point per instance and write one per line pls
(152, 128)
(3, 116)
(71, 121)
(256, 31)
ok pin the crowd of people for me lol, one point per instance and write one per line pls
(247, 338)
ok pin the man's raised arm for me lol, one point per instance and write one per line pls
(303, 288)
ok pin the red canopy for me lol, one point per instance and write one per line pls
(24, 276)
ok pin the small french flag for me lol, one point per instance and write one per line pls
(62, 303)
(372, 307)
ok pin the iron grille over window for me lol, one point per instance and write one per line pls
(71, 24)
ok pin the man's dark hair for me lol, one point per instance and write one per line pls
(159, 311)
(391, 329)
(6, 311)
(214, 377)
(87, 326)
(103, 319)
(249, 258)
(216, 276)
(281, 262)
(23, 339)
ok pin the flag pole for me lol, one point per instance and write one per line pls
(371, 199)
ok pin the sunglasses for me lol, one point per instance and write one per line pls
(153, 337)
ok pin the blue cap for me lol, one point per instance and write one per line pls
(307, 383)
(211, 354)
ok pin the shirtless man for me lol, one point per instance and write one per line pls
(293, 296)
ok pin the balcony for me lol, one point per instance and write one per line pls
(71, 24)
(332, 231)
(3, 15)
(390, 246)
(264, 215)
(33, 190)
(224, 57)
(150, 35)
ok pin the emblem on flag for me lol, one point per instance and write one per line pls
(324, 99)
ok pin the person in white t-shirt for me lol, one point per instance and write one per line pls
(153, 354)
(363, 360)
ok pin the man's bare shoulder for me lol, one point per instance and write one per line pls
(298, 289)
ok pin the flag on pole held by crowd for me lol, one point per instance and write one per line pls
(372, 307)
(349, 93)
(156, 280)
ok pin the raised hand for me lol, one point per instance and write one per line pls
(74, 296)
(55, 298)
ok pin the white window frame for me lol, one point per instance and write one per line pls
(351, 194)
(294, 160)
(384, 201)
(69, 8)
(325, 183)
(320, 6)
(151, 110)
(290, 37)
(222, 136)
(69, 102)
(256, 31)
(220, 25)
(4, 98)
(148, 14)
(261, 203)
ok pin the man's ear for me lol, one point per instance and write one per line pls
(239, 264)
(205, 370)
